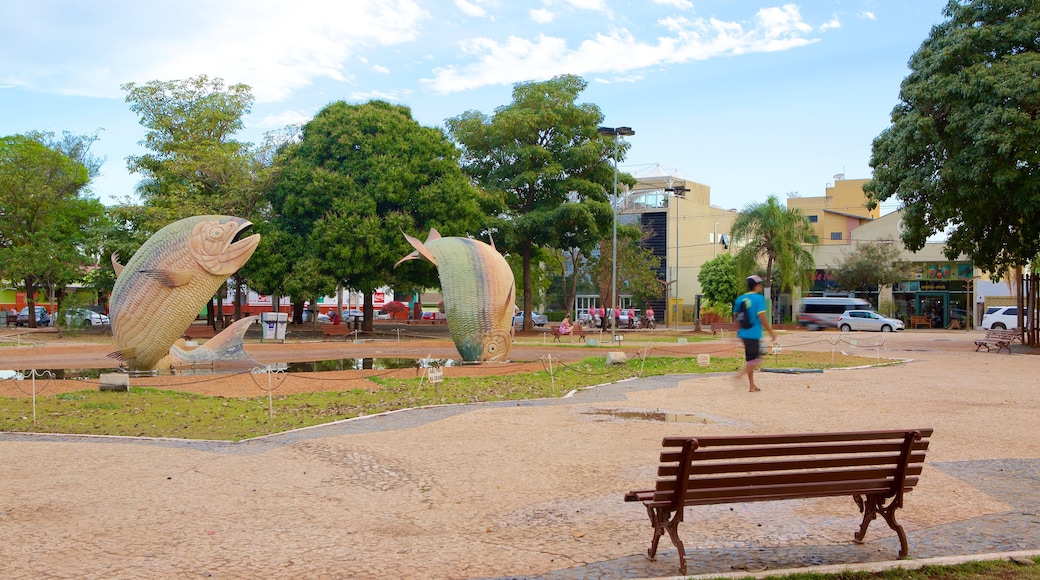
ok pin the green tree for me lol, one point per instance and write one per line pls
(963, 151)
(636, 268)
(719, 280)
(195, 166)
(541, 154)
(771, 232)
(359, 177)
(46, 215)
(870, 264)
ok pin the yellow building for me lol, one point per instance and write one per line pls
(684, 229)
(841, 210)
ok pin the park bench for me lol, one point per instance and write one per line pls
(576, 330)
(198, 331)
(919, 321)
(333, 330)
(871, 466)
(722, 328)
(997, 339)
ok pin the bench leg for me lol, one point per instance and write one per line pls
(662, 523)
(871, 507)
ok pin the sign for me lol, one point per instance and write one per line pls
(436, 374)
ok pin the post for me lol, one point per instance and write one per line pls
(614, 132)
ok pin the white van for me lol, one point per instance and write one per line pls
(817, 313)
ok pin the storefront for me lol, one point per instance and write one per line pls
(939, 291)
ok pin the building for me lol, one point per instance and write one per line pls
(842, 209)
(683, 229)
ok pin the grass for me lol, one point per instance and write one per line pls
(984, 570)
(149, 412)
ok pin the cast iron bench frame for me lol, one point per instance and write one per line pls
(871, 466)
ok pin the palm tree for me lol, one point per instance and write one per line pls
(781, 236)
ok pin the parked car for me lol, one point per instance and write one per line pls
(816, 313)
(42, 317)
(623, 319)
(434, 315)
(322, 317)
(537, 319)
(85, 317)
(382, 315)
(867, 320)
(1000, 318)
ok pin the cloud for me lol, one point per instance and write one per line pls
(867, 15)
(681, 4)
(272, 46)
(830, 24)
(470, 9)
(288, 117)
(392, 96)
(542, 16)
(380, 69)
(619, 52)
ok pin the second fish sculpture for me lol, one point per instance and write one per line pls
(479, 293)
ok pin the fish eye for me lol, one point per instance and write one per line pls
(216, 233)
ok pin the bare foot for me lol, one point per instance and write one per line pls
(755, 390)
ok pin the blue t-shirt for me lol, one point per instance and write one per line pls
(756, 304)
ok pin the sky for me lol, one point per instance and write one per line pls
(751, 97)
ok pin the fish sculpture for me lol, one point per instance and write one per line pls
(161, 290)
(224, 351)
(479, 292)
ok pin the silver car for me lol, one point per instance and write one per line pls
(867, 320)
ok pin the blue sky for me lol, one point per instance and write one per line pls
(751, 97)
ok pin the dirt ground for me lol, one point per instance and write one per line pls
(490, 491)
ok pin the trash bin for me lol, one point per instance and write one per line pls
(274, 324)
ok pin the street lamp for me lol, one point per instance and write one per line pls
(676, 192)
(614, 132)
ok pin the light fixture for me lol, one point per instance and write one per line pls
(614, 132)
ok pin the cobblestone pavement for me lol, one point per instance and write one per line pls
(526, 489)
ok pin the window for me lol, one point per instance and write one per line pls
(813, 219)
(836, 235)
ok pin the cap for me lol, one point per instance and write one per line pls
(753, 281)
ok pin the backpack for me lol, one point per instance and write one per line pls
(744, 315)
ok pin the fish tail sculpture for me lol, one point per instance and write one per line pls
(224, 350)
(162, 288)
(479, 293)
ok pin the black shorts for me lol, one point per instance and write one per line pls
(752, 349)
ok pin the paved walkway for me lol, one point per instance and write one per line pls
(527, 489)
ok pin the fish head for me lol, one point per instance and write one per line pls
(218, 245)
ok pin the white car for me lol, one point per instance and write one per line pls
(537, 319)
(85, 317)
(1000, 318)
(867, 320)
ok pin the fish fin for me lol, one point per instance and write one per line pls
(171, 278)
(510, 302)
(116, 265)
(491, 239)
(226, 346)
(420, 250)
(124, 354)
(433, 235)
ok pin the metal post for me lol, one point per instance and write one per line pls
(615, 132)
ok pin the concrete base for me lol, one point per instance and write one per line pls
(616, 358)
(114, 382)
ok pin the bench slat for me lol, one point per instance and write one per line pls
(790, 479)
(701, 468)
(794, 438)
(851, 448)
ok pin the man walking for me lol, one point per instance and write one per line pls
(751, 308)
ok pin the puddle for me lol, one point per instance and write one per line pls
(660, 416)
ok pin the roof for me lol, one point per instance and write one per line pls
(851, 215)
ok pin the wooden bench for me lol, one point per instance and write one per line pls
(997, 339)
(576, 330)
(723, 327)
(919, 321)
(871, 466)
(198, 331)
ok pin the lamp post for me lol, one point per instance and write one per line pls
(676, 193)
(614, 132)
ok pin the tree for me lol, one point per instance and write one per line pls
(963, 149)
(719, 280)
(359, 177)
(779, 235)
(542, 155)
(870, 264)
(195, 167)
(636, 268)
(45, 214)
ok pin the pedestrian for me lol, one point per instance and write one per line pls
(631, 317)
(602, 318)
(650, 320)
(752, 307)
